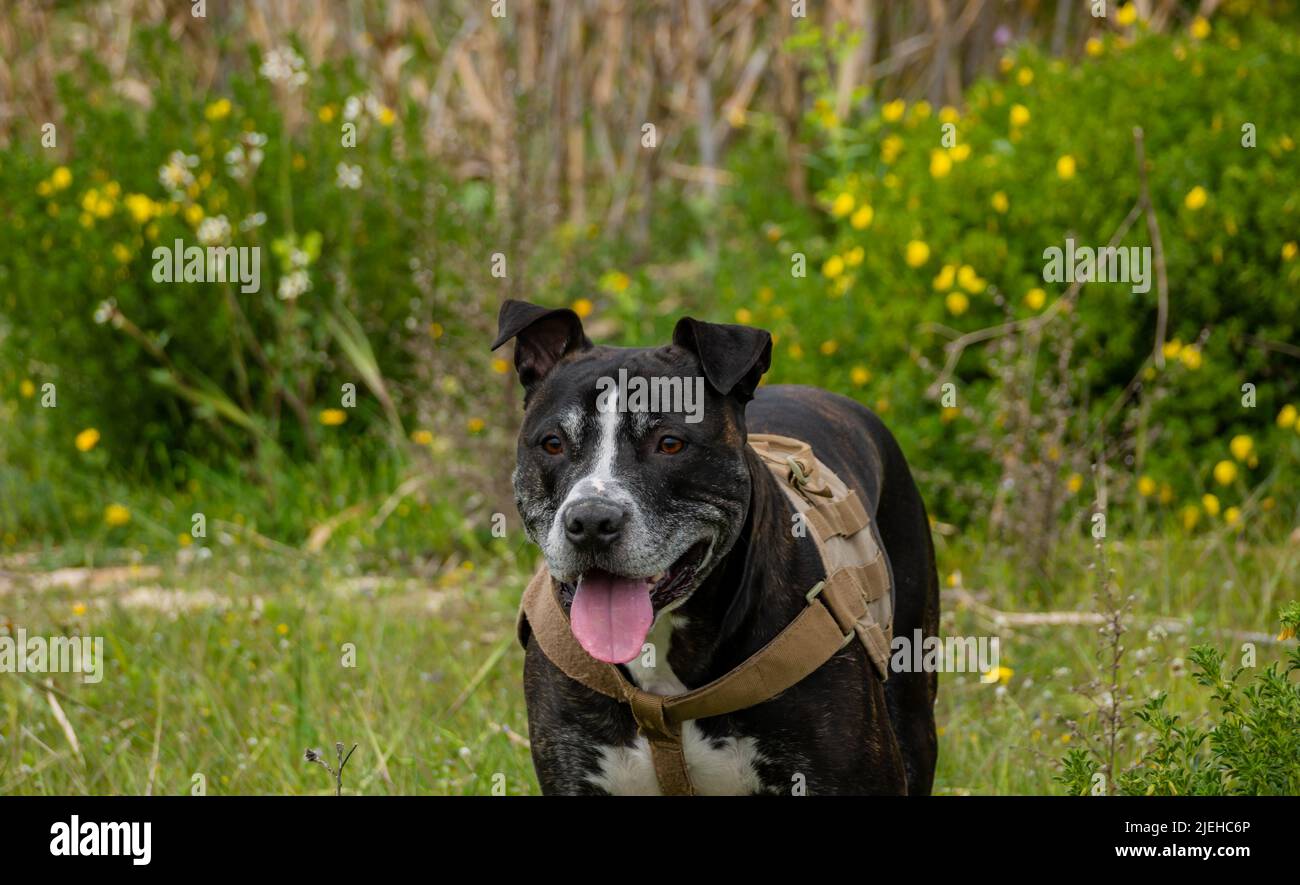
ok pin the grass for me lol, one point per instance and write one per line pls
(232, 667)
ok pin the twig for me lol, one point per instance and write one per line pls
(1157, 248)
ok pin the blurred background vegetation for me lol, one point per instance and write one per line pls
(776, 139)
(913, 159)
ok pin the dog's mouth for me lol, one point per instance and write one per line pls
(611, 614)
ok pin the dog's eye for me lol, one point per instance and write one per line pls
(553, 445)
(671, 445)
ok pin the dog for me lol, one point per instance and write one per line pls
(664, 527)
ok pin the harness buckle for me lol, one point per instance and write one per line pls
(813, 594)
(797, 472)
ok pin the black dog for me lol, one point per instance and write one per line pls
(665, 525)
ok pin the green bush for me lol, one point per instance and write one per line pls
(1252, 749)
(976, 217)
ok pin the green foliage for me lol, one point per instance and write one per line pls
(1045, 153)
(1251, 749)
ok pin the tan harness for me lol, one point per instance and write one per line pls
(855, 599)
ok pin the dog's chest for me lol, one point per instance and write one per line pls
(718, 766)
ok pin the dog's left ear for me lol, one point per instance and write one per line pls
(734, 357)
(545, 335)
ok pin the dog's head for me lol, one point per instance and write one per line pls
(631, 472)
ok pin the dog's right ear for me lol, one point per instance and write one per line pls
(543, 336)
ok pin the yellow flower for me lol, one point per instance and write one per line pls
(422, 438)
(795, 351)
(1166, 493)
(43, 189)
(1232, 515)
(892, 112)
(218, 110)
(475, 425)
(944, 279)
(1065, 167)
(435, 331)
(854, 256)
(1000, 203)
(918, 253)
(1001, 675)
(829, 347)
(949, 414)
(1035, 299)
(861, 219)
(121, 253)
(860, 375)
(940, 164)
(1190, 517)
(582, 307)
(1241, 446)
(1191, 357)
(1172, 349)
(890, 148)
(282, 629)
(1211, 504)
(87, 439)
(1127, 14)
(194, 214)
(1146, 486)
(500, 366)
(1094, 47)
(141, 208)
(26, 389)
(842, 205)
(1074, 483)
(61, 178)
(1019, 115)
(833, 267)
(1287, 417)
(1196, 198)
(948, 114)
(1005, 64)
(386, 116)
(1289, 250)
(333, 417)
(744, 316)
(326, 113)
(765, 294)
(971, 281)
(1225, 472)
(921, 110)
(79, 609)
(959, 152)
(116, 515)
(957, 302)
(1024, 76)
(1200, 28)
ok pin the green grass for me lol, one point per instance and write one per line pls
(230, 669)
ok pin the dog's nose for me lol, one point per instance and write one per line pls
(593, 523)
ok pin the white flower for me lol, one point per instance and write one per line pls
(175, 174)
(293, 285)
(243, 159)
(257, 219)
(349, 176)
(284, 65)
(351, 108)
(299, 259)
(214, 230)
(105, 311)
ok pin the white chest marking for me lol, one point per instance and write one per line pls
(727, 769)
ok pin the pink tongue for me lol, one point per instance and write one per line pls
(611, 616)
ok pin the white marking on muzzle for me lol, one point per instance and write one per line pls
(600, 481)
